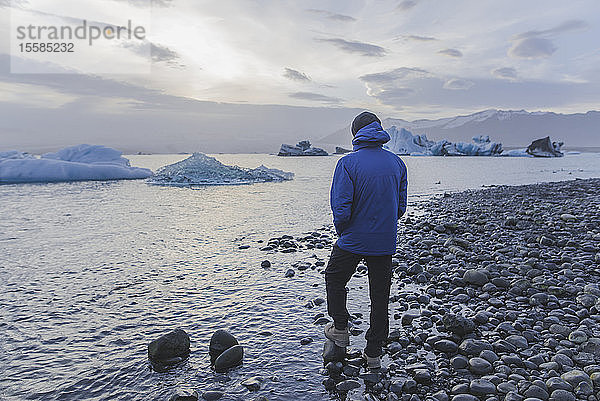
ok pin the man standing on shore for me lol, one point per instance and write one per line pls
(368, 196)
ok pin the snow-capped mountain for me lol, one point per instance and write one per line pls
(511, 128)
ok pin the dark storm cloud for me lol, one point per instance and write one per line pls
(451, 52)
(316, 97)
(505, 73)
(364, 49)
(332, 16)
(296, 75)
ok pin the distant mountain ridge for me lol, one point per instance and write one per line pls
(512, 128)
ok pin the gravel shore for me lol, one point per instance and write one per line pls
(498, 299)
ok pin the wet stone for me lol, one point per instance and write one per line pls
(347, 385)
(479, 366)
(482, 387)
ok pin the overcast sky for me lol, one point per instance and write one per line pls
(407, 59)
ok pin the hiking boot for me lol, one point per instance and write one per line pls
(341, 338)
(372, 363)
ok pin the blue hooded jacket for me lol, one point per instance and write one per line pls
(368, 195)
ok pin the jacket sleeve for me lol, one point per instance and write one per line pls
(342, 193)
(403, 193)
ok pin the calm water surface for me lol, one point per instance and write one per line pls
(90, 272)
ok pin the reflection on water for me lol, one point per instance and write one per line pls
(90, 272)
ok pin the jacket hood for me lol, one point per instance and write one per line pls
(372, 135)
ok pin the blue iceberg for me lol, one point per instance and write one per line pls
(200, 169)
(75, 163)
(404, 142)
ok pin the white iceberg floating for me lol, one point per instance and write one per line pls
(75, 163)
(517, 153)
(199, 169)
(14, 154)
(403, 142)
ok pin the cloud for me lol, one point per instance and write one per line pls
(316, 97)
(393, 75)
(536, 43)
(505, 73)
(364, 49)
(332, 16)
(162, 53)
(14, 3)
(570, 25)
(451, 52)
(393, 95)
(150, 3)
(394, 86)
(157, 53)
(458, 84)
(295, 75)
(418, 38)
(532, 48)
(406, 5)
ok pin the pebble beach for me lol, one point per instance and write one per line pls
(497, 299)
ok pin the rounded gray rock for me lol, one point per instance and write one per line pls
(479, 366)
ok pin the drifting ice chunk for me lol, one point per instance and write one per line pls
(340, 151)
(199, 169)
(90, 154)
(15, 154)
(403, 142)
(545, 148)
(302, 148)
(517, 153)
(76, 163)
(481, 146)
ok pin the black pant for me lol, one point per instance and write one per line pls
(342, 265)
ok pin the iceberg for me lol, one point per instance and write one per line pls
(340, 151)
(302, 148)
(517, 153)
(15, 154)
(75, 163)
(403, 142)
(199, 169)
(544, 147)
(481, 146)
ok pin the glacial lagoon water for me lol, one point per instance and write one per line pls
(90, 272)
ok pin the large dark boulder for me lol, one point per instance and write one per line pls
(230, 358)
(458, 324)
(220, 342)
(170, 348)
(544, 147)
